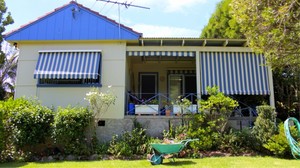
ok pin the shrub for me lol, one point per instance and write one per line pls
(217, 108)
(70, 125)
(32, 125)
(264, 125)
(130, 143)
(209, 126)
(28, 121)
(177, 133)
(278, 144)
(101, 148)
(119, 147)
(236, 142)
(202, 129)
(26, 124)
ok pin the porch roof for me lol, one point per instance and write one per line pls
(189, 42)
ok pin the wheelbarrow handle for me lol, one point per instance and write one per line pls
(185, 142)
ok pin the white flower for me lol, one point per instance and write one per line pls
(99, 101)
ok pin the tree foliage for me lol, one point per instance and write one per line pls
(222, 24)
(6, 19)
(271, 27)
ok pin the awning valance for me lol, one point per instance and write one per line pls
(68, 65)
(161, 53)
(181, 72)
(242, 73)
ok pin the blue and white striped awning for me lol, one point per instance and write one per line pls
(241, 73)
(162, 53)
(68, 65)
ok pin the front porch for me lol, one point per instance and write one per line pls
(161, 72)
(157, 81)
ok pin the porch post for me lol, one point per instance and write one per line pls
(198, 77)
(271, 86)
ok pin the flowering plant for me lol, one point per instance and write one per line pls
(100, 101)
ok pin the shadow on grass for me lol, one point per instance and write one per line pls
(13, 164)
(179, 163)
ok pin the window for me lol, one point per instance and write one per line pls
(148, 85)
(68, 68)
(182, 85)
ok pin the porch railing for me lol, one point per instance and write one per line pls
(157, 104)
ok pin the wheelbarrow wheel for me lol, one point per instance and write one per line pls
(156, 159)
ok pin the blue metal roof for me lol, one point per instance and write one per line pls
(73, 22)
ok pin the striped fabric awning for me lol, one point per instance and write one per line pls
(242, 73)
(68, 65)
(162, 53)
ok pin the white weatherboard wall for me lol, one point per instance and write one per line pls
(112, 71)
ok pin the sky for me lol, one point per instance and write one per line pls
(165, 18)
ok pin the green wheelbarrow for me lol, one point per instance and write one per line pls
(161, 150)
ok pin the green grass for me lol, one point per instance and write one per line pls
(213, 162)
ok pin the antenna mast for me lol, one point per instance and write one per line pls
(126, 6)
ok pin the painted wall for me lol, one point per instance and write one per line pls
(113, 65)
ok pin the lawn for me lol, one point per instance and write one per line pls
(213, 162)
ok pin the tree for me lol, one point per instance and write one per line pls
(6, 19)
(5, 70)
(256, 27)
(271, 27)
(221, 24)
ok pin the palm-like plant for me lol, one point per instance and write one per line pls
(8, 73)
(8, 65)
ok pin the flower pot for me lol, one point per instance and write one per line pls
(191, 109)
(168, 112)
(146, 109)
(131, 109)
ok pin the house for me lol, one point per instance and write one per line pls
(66, 52)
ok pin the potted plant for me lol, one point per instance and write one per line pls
(167, 108)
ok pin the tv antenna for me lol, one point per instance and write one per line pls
(127, 5)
